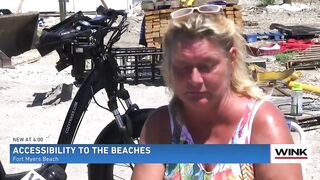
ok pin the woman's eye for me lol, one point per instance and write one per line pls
(182, 70)
(205, 68)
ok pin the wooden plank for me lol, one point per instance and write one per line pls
(156, 16)
(164, 21)
(306, 115)
(147, 13)
(166, 11)
(306, 67)
(156, 20)
(229, 8)
(306, 56)
(229, 12)
(156, 12)
(163, 29)
(238, 14)
(149, 40)
(148, 21)
(164, 16)
(230, 16)
(159, 39)
(312, 58)
(148, 27)
(149, 17)
(237, 7)
(149, 35)
(309, 64)
(150, 44)
(310, 51)
(157, 45)
(148, 30)
(156, 26)
(156, 34)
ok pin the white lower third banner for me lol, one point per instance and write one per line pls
(290, 153)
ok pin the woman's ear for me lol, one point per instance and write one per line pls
(233, 54)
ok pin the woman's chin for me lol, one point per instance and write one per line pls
(199, 103)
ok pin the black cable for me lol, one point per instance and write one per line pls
(122, 104)
(96, 100)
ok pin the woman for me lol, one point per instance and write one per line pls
(214, 101)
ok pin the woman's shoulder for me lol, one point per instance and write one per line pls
(160, 111)
(269, 126)
(156, 129)
(158, 116)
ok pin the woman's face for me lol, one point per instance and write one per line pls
(201, 73)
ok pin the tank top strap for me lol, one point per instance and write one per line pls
(242, 133)
(253, 113)
(175, 127)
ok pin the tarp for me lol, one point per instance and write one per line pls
(17, 32)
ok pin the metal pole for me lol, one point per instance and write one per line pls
(19, 9)
(104, 4)
(63, 10)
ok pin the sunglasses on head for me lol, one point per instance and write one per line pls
(204, 9)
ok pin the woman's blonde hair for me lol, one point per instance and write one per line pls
(219, 30)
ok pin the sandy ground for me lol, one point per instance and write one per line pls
(18, 86)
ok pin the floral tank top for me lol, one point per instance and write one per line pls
(181, 135)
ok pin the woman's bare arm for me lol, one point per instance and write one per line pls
(156, 130)
(270, 127)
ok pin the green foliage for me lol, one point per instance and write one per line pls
(283, 57)
(267, 2)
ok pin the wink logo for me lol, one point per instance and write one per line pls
(290, 153)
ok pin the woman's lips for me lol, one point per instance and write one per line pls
(196, 93)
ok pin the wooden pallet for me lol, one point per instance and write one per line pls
(309, 58)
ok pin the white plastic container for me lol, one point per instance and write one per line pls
(296, 100)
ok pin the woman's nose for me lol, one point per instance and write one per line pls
(196, 76)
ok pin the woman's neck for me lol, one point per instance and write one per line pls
(219, 112)
(215, 125)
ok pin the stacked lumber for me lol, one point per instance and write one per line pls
(233, 12)
(156, 23)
